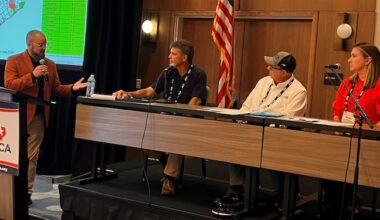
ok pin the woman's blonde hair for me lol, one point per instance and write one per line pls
(373, 73)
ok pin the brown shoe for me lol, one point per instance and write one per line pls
(168, 187)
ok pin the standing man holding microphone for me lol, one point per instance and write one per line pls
(32, 74)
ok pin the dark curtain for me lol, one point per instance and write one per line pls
(112, 43)
(111, 53)
(56, 149)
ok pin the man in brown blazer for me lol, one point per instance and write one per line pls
(33, 74)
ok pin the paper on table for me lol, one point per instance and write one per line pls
(266, 114)
(319, 121)
(225, 111)
(102, 97)
(211, 109)
(303, 119)
(334, 123)
(228, 111)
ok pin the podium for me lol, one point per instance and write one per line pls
(13, 153)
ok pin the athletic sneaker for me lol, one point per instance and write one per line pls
(231, 199)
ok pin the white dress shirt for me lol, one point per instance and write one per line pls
(291, 102)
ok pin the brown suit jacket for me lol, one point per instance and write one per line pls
(18, 76)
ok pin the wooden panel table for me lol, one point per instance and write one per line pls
(292, 151)
(320, 155)
(190, 136)
(210, 135)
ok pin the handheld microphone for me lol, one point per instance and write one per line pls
(170, 67)
(166, 70)
(42, 62)
(333, 66)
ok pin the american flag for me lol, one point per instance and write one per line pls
(223, 34)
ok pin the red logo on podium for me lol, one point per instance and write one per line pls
(3, 132)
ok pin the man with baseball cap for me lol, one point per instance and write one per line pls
(280, 93)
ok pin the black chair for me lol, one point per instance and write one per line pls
(204, 170)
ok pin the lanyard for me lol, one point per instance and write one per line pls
(278, 95)
(170, 97)
(348, 96)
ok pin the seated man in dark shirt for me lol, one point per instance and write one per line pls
(181, 82)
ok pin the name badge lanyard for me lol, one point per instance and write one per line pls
(278, 95)
(348, 97)
(170, 97)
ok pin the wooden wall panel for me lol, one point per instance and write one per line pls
(264, 5)
(180, 5)
(154, 58)
(239, 57)
(197, 30)
(323, 95)
(249, 62)
(366, 29)
(308, 5)
(312, 44)
(267, 37)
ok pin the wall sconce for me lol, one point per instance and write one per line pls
(345, 36)
(149, 28)
(344, 31)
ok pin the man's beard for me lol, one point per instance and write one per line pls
(40, 55)
(36, 57)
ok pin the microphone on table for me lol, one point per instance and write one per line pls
(333, 66)
(44, 74)
(166, 71)
(170, 67)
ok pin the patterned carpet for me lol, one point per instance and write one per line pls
(45, 199)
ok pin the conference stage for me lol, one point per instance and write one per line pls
(301, 146)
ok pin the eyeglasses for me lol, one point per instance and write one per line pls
(275, 67)
(40, 44)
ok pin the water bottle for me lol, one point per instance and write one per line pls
(90, 85)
